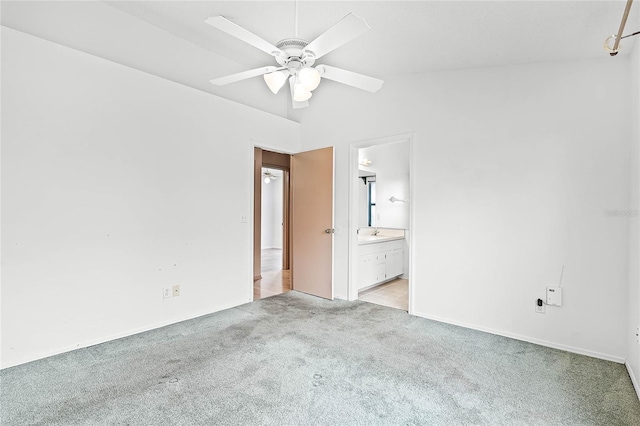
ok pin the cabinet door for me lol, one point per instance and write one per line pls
(390, 264)
(381, 273)
(366, 271)
(398, 261)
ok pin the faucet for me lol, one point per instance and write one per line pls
(375, 232)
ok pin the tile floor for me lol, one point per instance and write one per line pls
(394, 294)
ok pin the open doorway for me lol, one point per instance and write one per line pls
(381, 222)
(275, 278)
(272, 272)
(307, 224)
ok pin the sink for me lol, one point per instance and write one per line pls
(363, 239)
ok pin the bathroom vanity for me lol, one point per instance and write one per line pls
(380, 257)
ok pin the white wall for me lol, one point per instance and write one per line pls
(266, 215)
(110, 192)
(278, 206)
(88, 26)
(271, 214)
(514, 167)
(390, 163)
(633, 349)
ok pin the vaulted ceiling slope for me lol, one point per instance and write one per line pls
(171, 40)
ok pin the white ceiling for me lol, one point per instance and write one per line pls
(405, 37)
(171, 40)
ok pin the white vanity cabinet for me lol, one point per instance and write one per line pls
(379, 261)
(394, 262)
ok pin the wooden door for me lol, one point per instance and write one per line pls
(312, 222)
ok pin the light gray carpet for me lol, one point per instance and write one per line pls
(297, 360)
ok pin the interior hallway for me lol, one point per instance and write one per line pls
(274, 280)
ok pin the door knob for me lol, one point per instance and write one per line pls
(329, 231)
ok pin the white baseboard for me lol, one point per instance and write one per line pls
(580, 351)
(636, 386)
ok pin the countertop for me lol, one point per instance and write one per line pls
(372, 239)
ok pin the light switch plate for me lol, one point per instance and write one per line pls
(554, 296)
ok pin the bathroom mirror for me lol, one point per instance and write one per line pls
(383, 175)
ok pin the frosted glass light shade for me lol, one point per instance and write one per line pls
(300, 94)
(275, 81)
(310, 78)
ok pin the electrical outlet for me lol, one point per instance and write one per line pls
(176, 290)
(244, 218)
(540, 307)
(638, 334)
(166, 293)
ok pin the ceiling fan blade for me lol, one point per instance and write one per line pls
(242, 75)
(295, 104)
(350, 78)
(223, 24)
(348, 28)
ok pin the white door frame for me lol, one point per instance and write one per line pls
(352, 290)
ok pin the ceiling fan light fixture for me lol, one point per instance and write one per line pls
(275, 80)
(300, 93)
(310, 78)
(297, 58)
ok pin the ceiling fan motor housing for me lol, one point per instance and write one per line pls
(293, 56)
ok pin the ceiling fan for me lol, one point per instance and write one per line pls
(269, 176)
(296, 58)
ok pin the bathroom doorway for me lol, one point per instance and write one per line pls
(381, 222)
